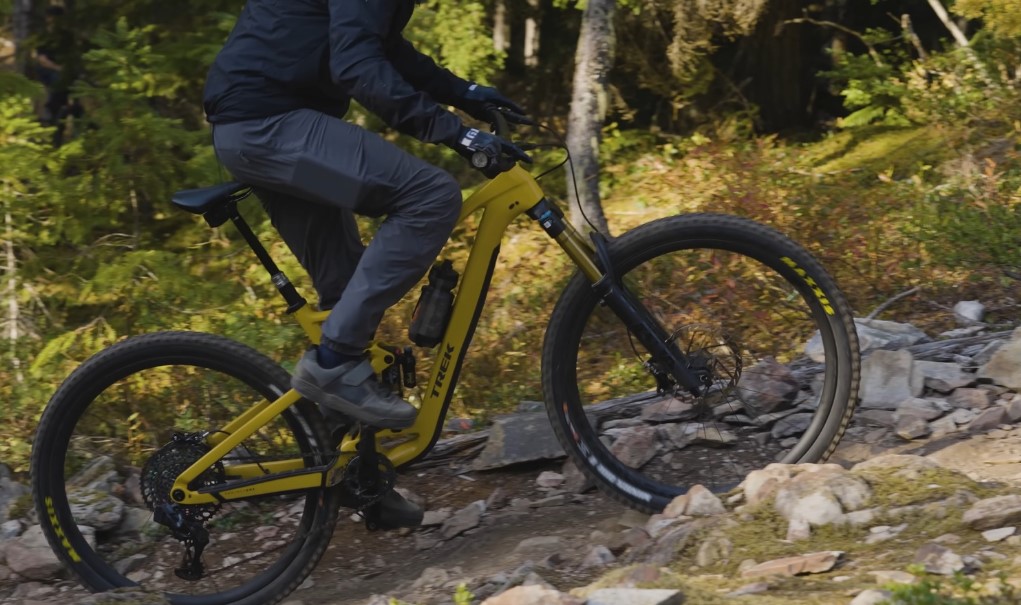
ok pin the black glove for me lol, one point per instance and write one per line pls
(487, 152)
(478, 99)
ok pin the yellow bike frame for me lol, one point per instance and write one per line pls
(501, 200)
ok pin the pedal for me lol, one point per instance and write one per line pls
(368, 478)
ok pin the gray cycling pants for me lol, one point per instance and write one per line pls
(312, 172)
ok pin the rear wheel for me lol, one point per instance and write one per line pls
(756, 316)
(119, 430)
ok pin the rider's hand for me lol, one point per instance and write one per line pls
(478, 100)
(487, 152)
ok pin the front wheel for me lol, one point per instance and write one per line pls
(127, 422)
(759, 321)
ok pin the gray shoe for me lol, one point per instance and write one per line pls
(351, 388)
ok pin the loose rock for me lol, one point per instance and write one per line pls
(887, 378)
(939, 559)
(467, 518)
(635, 596)
(532, 595)
(872, 597)
(995, 535)
(1004, 367)
(992, 513)
(819, 562)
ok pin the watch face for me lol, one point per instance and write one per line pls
(479, 159)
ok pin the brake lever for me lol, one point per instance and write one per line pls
(516, 118)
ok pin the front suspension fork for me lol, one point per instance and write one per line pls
(595, 263)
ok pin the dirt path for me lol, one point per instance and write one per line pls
(359, 564)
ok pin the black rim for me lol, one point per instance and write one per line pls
(92, 567)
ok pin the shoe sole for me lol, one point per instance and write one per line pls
(338, 404)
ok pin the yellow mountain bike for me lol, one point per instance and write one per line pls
(184, 462)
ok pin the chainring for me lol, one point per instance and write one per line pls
(382, 481)
(162, 469)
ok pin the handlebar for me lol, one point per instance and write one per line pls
(498, 121)
(500, 127)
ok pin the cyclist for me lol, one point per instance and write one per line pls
(275, 96)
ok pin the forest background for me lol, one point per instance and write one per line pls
(883, 135)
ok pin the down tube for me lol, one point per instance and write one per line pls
(502, 200)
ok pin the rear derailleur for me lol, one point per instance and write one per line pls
(191, 533)
(187, 523)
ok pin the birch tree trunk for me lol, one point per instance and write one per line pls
(13, 309)
(589, 103)
(532, 34)
(501, 27)
(21, 28)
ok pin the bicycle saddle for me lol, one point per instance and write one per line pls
(206, 199)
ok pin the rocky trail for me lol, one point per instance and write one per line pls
(927, 479)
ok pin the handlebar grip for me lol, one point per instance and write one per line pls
(498, 121)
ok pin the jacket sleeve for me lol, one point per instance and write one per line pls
(360, 66)
(422, 73)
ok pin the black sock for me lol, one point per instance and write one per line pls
(328, 358)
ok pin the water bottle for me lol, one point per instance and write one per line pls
(432, 313)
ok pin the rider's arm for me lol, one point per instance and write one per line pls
(423, 73)
(359, 65)
(46, 62)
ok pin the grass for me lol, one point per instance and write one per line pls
(758, 533)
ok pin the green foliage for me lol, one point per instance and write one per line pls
(891, 86)
(1001, 17)
(978, 209)
(463, 596)
(873, 92)
(454, 33)
(956, 590)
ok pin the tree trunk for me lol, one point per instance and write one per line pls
(589, 101)
(13, 310)
(776, 67)
(501, 27)
(21, 28)
(532, 34)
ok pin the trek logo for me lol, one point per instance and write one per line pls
(819, 294)
(445, 363)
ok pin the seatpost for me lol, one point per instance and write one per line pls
(294, 300)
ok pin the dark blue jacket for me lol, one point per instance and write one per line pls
(320, 54)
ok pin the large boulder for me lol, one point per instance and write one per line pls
(767, 386)
(96, 509)
(519, 438)
(821, 494)
(873, 334)
(1004, 368)
(992, 513)
(30, 556)
(10, 491)
(888, 378)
